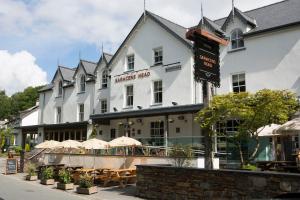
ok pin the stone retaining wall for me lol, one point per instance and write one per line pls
(166, 182)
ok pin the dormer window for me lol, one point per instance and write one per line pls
(104, 79)
(60, 88)
(237, 39)
(82, 83)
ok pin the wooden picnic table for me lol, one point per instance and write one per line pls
(74, 167)
(275, 165)
(78, 172)
(122, 176)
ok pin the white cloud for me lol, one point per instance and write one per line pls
(18, 71)
(108, 21)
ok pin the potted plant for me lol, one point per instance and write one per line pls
(64, 180)
(47, 176)
(31, 172)
(86, 185)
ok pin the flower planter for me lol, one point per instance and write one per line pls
(63, 186)
(47, 182)
(88, 191)
(31, 178)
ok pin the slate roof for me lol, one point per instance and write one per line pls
(89, 66)
(271, 16)
(211, 24)
(46, 88)
(107, 57)
(67, 73)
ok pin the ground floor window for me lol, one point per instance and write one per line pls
(67, 134)
(157, 133)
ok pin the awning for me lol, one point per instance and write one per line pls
(150, 112)
(55, 126)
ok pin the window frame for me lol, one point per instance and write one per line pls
(157, 92)
(82, 83)
(104, 79)
(58, 115)
(239, 39)
(80, 113)
(158, 59)
(239, 85)
(60, 88)
(157, 132)
(130, 60)
(127, 96)
(102, 110)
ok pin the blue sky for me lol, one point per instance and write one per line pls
(35, 34)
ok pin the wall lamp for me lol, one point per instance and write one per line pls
(115, 109)
(139, 107)
(174, 103)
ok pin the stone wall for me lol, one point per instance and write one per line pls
(166, 182)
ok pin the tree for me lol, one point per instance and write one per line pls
(5, 106)
(250, 111)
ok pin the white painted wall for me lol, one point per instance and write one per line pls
(30, 119)
(270, 61)
(150, 36)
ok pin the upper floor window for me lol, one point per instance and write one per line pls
(60, 88)
(237, 39)
(82, 83)
(239, 83)
(158, 56)
(157, 92)
(81, 112)
(103, 106)
(104, 78)
(58, 115)
(130, 62)
(129, 96)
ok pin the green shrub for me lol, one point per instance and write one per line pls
(181, 155)
(31, 169)
(249, 167)
(64, 176)
(47, 173)
(18, 149)
(86, 181)
(27, 147)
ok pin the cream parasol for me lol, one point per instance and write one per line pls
(291, 127)
(69, 144)
(51, 144)
(94, 144)
(268, 131)
(124, 142)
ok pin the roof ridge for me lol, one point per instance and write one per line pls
(88, 61)
(65, 67)
(165, 19)
(272, 4)
(108, 54)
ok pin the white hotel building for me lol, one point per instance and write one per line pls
(146, 90)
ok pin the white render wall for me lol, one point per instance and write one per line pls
(270, 61)
(177, 85)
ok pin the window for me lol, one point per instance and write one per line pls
(157, 92)
(158, 56)
(157, 133)
(129, 96)
(58, 115)
(82, 83)
(112, 133)
(239, 83)
(104, 79)
(60, 88)
(237, 39)
(130, 62)
(81, 113)
(103, 106)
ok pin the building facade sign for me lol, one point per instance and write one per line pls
(133, 76)
(207, 67)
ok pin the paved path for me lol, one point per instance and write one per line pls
(13, 187)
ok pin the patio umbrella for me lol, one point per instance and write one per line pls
(94, 144)
(291, 127)
(51, 144)
(69, 144)
(269, 131)
(124, 142)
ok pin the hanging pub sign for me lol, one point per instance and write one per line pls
(206, 56)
